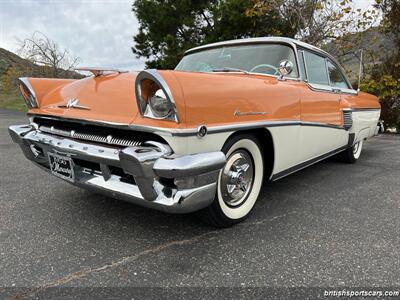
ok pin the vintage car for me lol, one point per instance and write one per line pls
(204, 137)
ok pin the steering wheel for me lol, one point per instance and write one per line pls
(276, 71)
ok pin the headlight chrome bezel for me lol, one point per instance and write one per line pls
(149, 77)
(28, 93)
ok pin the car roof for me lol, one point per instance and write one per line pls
(272, 39)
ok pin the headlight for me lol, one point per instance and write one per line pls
(159, 104)
(154, 97)
(27, 92)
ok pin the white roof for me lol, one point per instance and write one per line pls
(271, 39)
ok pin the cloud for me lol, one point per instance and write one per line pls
(99, 32)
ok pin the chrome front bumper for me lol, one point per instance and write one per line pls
(149, 175)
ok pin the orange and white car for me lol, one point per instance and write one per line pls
(203, 137)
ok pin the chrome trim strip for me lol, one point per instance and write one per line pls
(81, 121)
(65, 145)
(361, 109)
(80, 135)
(178, 132)
(307, 163)
(330, 89)
(245, 126)
(282, 40)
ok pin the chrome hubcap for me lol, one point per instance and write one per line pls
(237, 178)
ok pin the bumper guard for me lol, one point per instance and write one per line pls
(162, 180)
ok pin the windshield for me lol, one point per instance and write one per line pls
(262, 58)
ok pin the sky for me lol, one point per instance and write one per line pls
(98, 31)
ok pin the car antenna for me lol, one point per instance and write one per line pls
(360, 71)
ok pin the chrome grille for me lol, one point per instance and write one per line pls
(348, 119)
(105, 139)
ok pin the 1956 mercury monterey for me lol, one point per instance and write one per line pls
(204, 136)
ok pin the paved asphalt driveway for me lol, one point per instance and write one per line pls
(331, 224)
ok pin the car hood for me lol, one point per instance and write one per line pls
(109, 98)
(200, 98)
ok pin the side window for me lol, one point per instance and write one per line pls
(316, 68)
(335, 76)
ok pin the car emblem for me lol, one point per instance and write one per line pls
(73, 103)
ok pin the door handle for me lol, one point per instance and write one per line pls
(336, 91)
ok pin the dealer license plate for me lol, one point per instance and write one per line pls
(61, 166)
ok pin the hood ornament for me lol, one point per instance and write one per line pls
(73, 103)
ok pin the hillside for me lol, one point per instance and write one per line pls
(17, 66)
(27, 68)
(9, 59)
(376, 48)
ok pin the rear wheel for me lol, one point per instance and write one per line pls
(352, 154)
(239, 182)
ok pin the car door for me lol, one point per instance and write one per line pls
(321, 115)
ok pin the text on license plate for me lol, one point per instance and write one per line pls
(61, 166)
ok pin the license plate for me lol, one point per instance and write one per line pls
(61, 166)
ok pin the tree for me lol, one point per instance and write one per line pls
(317, 21)
(40, 50)
(385, 76)
(9, 79)
(168, 28)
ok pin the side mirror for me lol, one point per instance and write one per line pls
(285, 68)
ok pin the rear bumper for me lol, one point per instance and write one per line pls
(148, 175)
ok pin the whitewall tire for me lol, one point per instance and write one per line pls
(352, 154)
(239, 182)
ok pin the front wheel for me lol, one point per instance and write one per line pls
(239, 182)
(352, 154)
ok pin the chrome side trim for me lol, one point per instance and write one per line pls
(307, 163)
(193, 131)
(329, 89)
(361, 109)
(253, 125)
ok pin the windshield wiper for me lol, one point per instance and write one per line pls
(226, 69)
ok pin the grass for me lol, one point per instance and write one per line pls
(12, 100)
